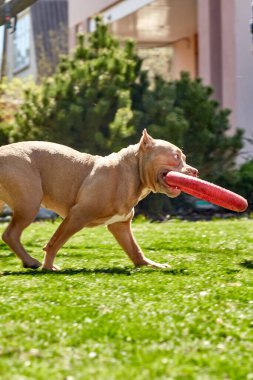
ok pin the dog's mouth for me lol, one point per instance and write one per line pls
(171, 191)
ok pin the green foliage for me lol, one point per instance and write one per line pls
(208, 143)
(154, 109)
(246, 180)
(100, 318)
(11, 96)
(87, 103)
(240, 181)
(184, 113)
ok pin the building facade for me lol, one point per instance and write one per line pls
(40, 37)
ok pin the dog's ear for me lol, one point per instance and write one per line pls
(146, 141)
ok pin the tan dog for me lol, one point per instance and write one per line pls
(86, 190)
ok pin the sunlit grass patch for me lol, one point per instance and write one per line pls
(101, 318)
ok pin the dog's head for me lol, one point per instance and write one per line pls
(158, 157)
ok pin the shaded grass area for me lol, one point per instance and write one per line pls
(101, 318)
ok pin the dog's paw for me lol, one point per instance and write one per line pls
(162, 266)
(54, 268)
(33, 264)
(153, 264)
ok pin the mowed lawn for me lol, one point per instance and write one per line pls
(100, 318)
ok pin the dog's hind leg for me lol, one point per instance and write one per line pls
(74, 222)
(25, 203)
(11, 236)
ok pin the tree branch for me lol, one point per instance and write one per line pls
(15, 6)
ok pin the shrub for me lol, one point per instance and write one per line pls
(240, 181)
(86, 104)
(11, 97)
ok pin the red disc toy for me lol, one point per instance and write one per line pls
(207, 191)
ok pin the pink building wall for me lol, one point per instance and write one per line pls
(244, 72)
(216, 30)
(185, 57)
(226, 60)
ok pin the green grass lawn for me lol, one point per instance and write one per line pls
(100, 318)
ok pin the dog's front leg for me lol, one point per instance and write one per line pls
(123, 234)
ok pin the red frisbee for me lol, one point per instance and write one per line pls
(207, 191)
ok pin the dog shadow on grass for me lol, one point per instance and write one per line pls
(86, 271)
(247, 264)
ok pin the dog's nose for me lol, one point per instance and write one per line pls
(192, 171)
(195, 172)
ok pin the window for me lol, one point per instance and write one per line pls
(21, 44)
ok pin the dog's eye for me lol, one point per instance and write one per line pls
(177, 156)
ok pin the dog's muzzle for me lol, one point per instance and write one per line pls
(170, 191)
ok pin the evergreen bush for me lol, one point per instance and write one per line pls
(87, 103)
